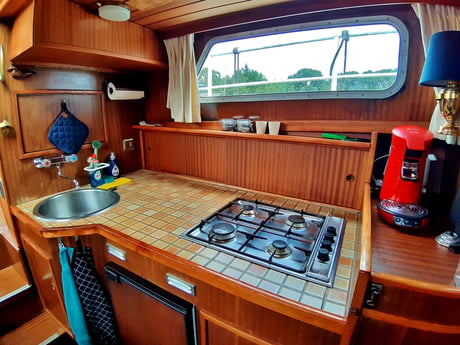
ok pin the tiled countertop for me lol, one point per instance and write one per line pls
(156, 208)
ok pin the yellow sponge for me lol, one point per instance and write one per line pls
(117, 182)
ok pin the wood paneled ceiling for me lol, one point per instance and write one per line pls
(174, 17)
(163, 15)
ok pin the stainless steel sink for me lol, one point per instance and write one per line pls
(76, 204)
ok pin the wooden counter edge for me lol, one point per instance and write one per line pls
(416, 285)
(301, 312)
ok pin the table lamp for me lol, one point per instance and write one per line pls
(442, 69)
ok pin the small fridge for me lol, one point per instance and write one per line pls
(147, 314)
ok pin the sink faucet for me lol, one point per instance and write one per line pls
(75, 182)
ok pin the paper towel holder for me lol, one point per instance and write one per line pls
(123, 90)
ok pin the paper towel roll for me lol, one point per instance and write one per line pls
(123, 94)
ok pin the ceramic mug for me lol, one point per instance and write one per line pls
(274, 127)
(261, 127)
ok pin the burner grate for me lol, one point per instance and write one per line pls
(290, 241)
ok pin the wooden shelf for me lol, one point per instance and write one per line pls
(42, 329)
(254, 136)
(65, 56)
(13, 284)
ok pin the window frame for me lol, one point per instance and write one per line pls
(350, 21)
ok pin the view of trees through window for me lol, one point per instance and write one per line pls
(346, 58)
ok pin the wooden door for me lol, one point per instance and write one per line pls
(41, 266)
(373, 331)
(214, 331)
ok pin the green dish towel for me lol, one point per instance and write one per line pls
(72, 303)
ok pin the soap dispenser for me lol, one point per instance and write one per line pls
(112, 169)
(95, 172)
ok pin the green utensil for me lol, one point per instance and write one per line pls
(96, 146)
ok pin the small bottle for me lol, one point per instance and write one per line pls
(112, 169)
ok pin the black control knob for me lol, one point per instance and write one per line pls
(331, 230)
(326, 244)
(328, 236)
(323, 254)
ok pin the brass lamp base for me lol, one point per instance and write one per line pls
(449, 105)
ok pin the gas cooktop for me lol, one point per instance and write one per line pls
(297, 243)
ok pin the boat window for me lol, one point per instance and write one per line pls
(347, 58)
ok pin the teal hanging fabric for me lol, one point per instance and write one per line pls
(72, 302)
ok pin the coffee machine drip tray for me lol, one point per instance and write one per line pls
(409, 216)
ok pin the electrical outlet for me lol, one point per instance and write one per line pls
(128, 144)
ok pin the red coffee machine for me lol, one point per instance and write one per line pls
(403, 178)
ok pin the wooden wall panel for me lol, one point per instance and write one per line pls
(317, 172)
(24, 182)
(37, 110)
(414, 103)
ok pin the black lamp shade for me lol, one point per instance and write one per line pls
(442, 61)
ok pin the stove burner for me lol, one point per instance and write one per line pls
(222, 232)
(296, 221)
(249, 210)
(279, 238)
(279, 249)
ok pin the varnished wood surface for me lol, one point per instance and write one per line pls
(182, 21)
(39, 330)
(46, 280)
(154, 264)
(56, 32)
(413, 103)
(175, 18)
(10, 8)
(312, 128)
(21, 180)
(216, 132)
(12, 283)
(416, 257)
(321, 170)
(363, 270)
(275, 330)
(378, 329)
(35, 108)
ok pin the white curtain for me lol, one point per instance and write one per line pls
(436, 18)
(183, 97)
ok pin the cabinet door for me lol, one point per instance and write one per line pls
(40, 264)
(379, 332)
(147, 314)
(214, 331)
(406, 315)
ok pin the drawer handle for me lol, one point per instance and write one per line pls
(180, 284)
(118, 253)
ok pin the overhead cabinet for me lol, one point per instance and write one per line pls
(59, 33)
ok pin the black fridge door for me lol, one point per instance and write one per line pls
(147, 314)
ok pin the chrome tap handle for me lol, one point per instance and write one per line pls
(71, 158)
(42, 162)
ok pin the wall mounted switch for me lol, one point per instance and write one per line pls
(128, 144)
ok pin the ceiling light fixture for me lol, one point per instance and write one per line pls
(114, 11)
